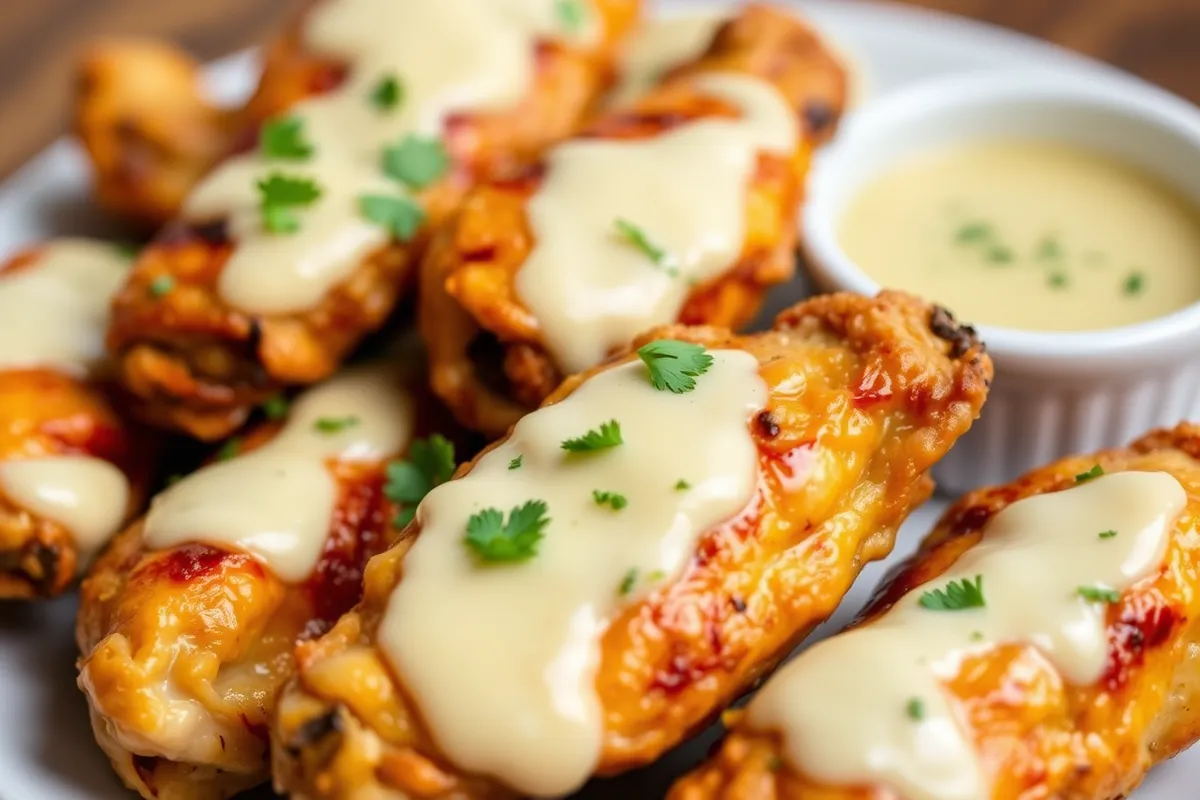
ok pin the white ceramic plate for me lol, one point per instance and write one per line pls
(46, 746)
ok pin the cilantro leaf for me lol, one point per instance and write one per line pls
(957, 596)
(492, 539)
(1134, 283)
(915, 709)
(399, 215)
(416, 161)
(1099, 594)
(607, 435)
(628, 582)
(682, 486)
(279, 195)
(673, 364)
(516, 462)
(335, 424)
(387, 94)
(1095, 472)
(1107, 534)
(614, 499)
(430, 462)
(570, 13)
(231, 448)
(639, 239)
(284, 139)
(276, 408)
(162, 285)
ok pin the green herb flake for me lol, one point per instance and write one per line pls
(516, 462)
(284, 139)
(774, 763)
(915, 709)
(280, 195)
(416, 161)
(231, 448)
(174, 479)
(387, 94)
(1095, 472)
(973, 232)
(1107, 534)
(429, 462)
(162, 285)
(628, 582)
(957, 596)
(682, 486)
(614, 500)
(999, 254)
(1099, 594)
(606, 436)
(639, 239)
(1057, 280)
(1133, 284)
(976, 636)
(399, 215)
(674, 364)
(570, 13)
(654, 576)
(1048, 249)
(494, 540)
(127, 250)
(276, 408)
(335, 424)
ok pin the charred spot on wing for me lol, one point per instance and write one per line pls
(818, 115)
(962, 337)
(214, 232)
(766, 424)
(315, 730)
(47, 558)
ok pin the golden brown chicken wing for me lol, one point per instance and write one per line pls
(632, 556)
(680, 207)
(188, 621)
(71, 472)
(1041, 643)
(285, 256)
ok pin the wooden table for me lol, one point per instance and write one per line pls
(1156, 39)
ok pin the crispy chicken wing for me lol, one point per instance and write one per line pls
(702, 175)
(71, 472)
(692, 540)
(187, 622)
(292, 250)
(1029, 721)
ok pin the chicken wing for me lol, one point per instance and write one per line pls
(1066, 666)
(285, 256)
(187, 622)
(679, 208)
(678, 522)
(71, 472)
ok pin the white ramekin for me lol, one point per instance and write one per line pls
(1054, 393)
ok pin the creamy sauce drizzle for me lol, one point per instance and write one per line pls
(590, 289)
(54, 312)
(536, 722)
(841, 706)
(276, 503)
(1029, 235)
(448, 56)
(658, 46)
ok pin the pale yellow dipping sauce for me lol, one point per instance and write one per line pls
(1029, 235)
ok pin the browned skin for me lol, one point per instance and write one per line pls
(864, 396)
(44, 412)
(199, 365)
(487, 357)
(1037, 736)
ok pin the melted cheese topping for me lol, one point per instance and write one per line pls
(54, 312)
(590, 289)
(276, 503)
(658, 46)
(447, 56)
(535, 721)
(87, 496)
(842, 711)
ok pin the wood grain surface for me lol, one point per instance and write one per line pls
(39, 39)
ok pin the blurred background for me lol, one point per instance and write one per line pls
(1158, 40)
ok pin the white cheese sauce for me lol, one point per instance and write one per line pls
(591, 289)
(535, 628)
(276, 502)
(659, 45)
(446, 56)
(842, 707)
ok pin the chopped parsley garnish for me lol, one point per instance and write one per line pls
(1106, 534)
(1134, 283)
(1095, 472)
(335, 424)
(387, 93)
(1057, 280)
(915, 709)
(655, 575)
(628, 582)
(999, 254)
(399, 215)
(127, 250)
(957, 596)
(1098, 594)
(973, 232)
(430, 462)
(492, 539)
(673, 364)
(230, 449)
(607, 435)
(162, 285)
(976, 636)
(416, 161)
(276, 408)
(638, 238)
(1048, 249)
(682, 486)
(280, 195)
(614, 499)
(284, 139)
(516, 462)
(570, 13)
